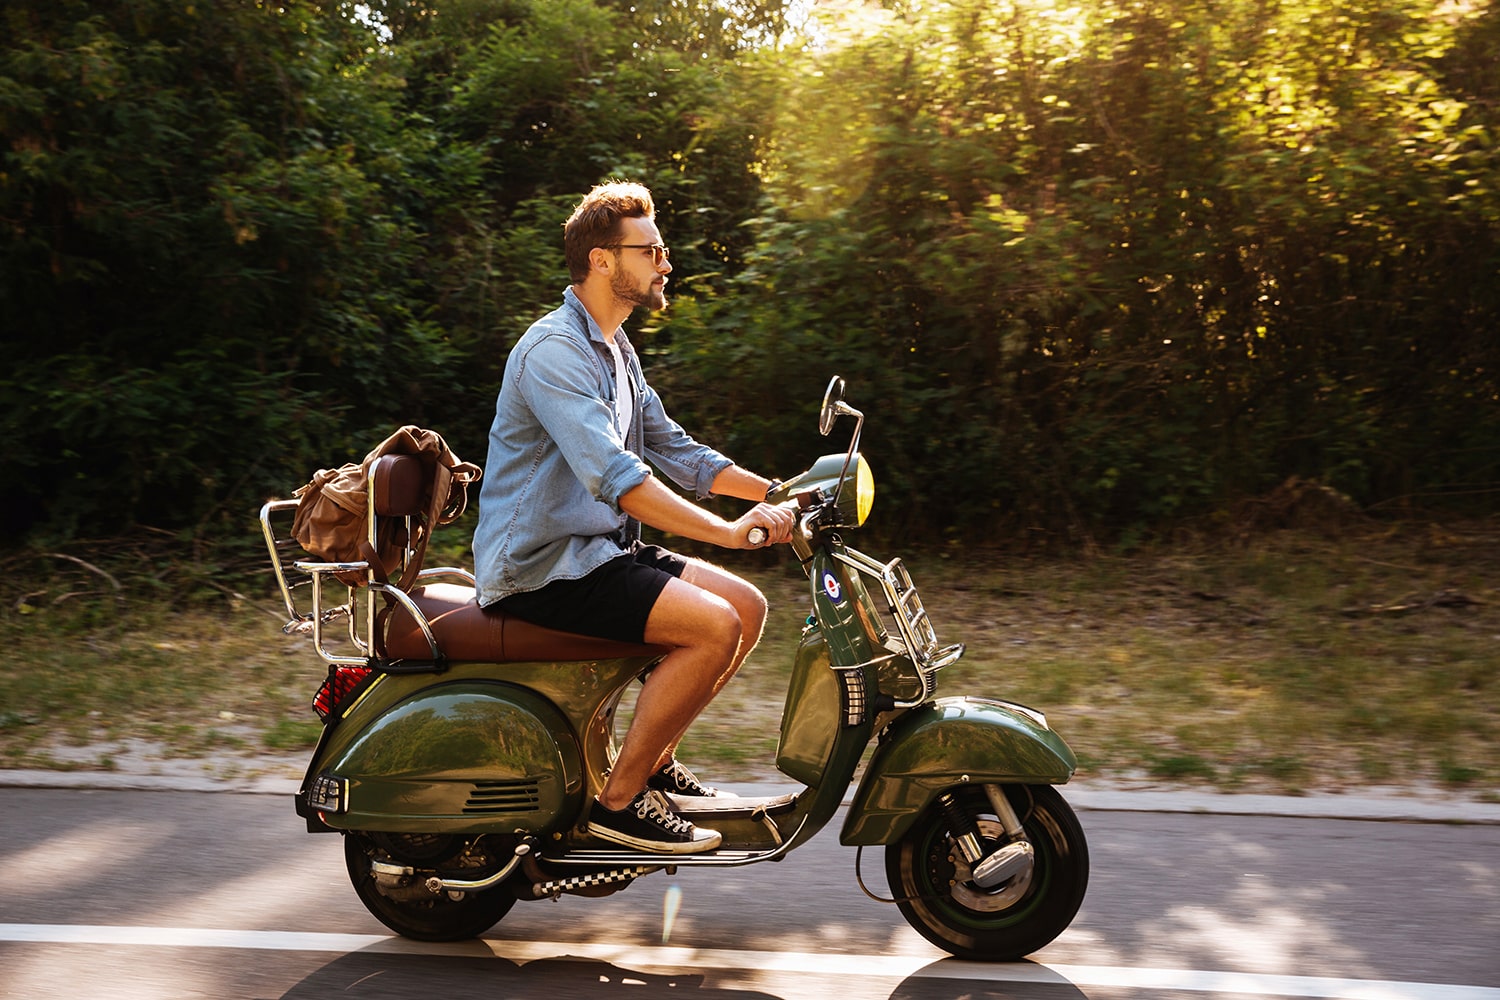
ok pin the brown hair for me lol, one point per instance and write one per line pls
(596, 221)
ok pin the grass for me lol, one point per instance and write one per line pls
(1291, 663)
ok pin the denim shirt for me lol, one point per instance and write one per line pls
(549, 503)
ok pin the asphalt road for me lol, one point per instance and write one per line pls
(131, 893)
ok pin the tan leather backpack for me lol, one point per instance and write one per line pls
(333, 510)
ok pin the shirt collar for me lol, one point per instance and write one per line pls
(571, 299)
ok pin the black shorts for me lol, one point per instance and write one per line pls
(612, 602)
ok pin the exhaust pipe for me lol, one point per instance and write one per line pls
(390, 877)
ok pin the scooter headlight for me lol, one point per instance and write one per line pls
(858, 493)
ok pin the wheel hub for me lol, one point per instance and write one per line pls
(1002, 896)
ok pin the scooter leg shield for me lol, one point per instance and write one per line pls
(947, 742)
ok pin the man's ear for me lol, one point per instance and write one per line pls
(601, 260)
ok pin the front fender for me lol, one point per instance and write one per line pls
(947, 742)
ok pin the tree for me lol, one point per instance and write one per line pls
(208, 261)
(1133, 262)
(1103, 266)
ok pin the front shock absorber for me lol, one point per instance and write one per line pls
(1000, 865)
(965, 830)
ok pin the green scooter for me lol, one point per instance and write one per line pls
(461, 748)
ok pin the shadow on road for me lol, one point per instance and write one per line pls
(945, 980)
(372, 975)
(378, 975)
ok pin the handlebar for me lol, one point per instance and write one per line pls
(757, 535)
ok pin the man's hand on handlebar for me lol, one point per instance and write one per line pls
(765, 524)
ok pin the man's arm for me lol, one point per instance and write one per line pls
(742, 483)
(653, 503)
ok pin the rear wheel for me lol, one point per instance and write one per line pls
(403, 902)
(931, 880)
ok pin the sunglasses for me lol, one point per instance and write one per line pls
(659, 252)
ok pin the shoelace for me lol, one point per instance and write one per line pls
(649, 807)
(683, 779)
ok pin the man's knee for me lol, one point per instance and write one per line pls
(724, 629)
(744, 596)
(753, 608)
(690, 616)
(761, 606)
(748, 607)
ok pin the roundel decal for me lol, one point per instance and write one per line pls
(831, 587)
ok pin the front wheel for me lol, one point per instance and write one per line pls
(403, 903)
(931, 881)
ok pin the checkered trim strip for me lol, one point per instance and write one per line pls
(590, 880)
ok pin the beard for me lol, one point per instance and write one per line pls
(627, 292)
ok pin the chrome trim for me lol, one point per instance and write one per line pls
(1009, 860)
(319, 572)
(457, 571)
(436, 884)
(402, 598)
(1004, 811)
(1016, 858)
(270, 535)
(328, 794)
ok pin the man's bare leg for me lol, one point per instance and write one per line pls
(748, 602)
(706, 634)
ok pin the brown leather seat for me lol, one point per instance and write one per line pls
(465, 631)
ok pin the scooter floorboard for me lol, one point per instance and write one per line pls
(732, 806)
(616, 859)
(589, 857)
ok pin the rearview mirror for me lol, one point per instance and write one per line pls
(833, 400)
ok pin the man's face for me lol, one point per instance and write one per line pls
(639, 280)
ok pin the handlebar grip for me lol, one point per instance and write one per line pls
(757, 535)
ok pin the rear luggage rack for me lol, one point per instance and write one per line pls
(304, 580)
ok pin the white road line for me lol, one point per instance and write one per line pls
(878, 966)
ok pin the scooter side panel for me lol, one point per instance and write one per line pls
(467, 756)
(947, 742)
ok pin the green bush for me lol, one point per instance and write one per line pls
(1094, 270)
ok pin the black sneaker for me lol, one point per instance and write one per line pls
(649, 824)
(676, 779)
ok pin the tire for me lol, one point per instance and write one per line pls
(929, 877)
(410, 910)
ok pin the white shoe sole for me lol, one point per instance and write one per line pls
(703, 840)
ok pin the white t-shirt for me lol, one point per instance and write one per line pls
(623, 394)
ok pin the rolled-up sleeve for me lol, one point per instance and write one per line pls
(687, 463)
(561, 386)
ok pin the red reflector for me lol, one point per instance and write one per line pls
(341, 683)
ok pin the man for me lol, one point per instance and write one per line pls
(567, 487)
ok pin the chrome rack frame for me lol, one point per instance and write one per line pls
(918, 639)
(319, 573)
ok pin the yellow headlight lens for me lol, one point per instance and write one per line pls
(864, 481)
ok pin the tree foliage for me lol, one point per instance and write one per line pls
(211, 239)
(1092, 268)
(1130, 262)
